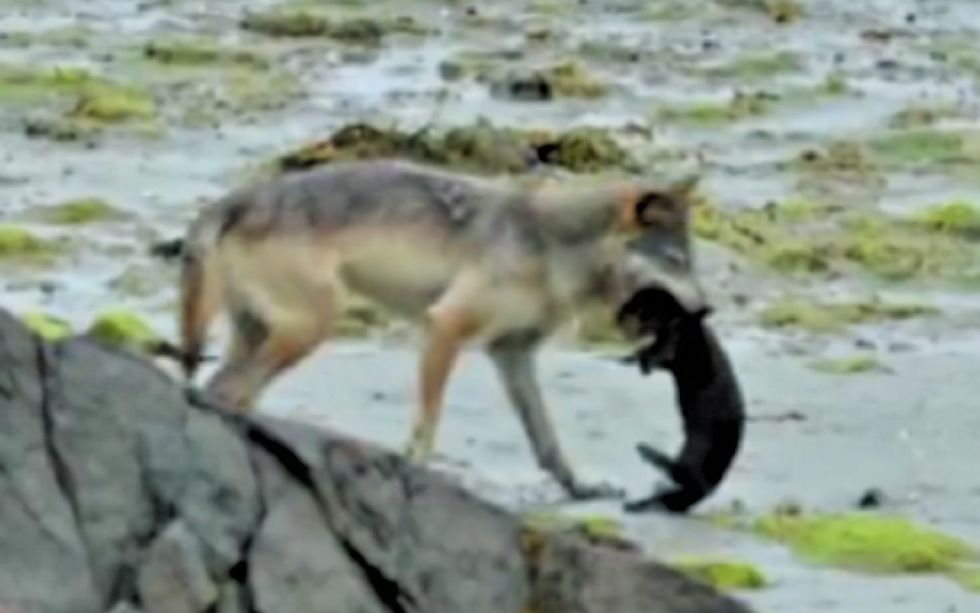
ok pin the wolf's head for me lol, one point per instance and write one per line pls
(659, 251)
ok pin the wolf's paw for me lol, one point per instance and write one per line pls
(419, 448)
(592, 491)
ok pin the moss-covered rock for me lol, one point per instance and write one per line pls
(724, 574)
(124, 329)
(828, 317)
(48, 327)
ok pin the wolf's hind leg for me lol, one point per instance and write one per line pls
(451, 323)
(263, 348)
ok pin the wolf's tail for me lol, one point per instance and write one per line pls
(200, 287)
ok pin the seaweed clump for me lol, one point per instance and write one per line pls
(563, 80)
(480, 147)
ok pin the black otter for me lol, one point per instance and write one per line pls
(708, 395)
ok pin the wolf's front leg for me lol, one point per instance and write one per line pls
(513, 357)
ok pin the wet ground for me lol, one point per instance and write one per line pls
(866, 106)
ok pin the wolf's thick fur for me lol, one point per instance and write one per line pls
(472, 259)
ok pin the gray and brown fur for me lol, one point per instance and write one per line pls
(471, 259)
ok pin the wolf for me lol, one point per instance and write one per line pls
(708, 394)
(470, 259)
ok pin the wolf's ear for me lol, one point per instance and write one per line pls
(684, 187)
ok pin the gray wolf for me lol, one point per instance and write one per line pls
(470, 259)
(708, 394)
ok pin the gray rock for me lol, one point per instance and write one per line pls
(173, 577)
(115, 489)
(40, 545)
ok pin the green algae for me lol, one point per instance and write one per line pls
(840, 160)
(80, 211)
(595, 528)
(829, 317)
(956, 217)
(193, 52)
(925, 148)
(804, 238)
(898, 250)
(850, 365)
(20, 246)
(97, 99)
(289, 23)
(867, 543)
(754, 66)
(573, 80)
(724, 574)
(739, 106)
(297, 22)
(122, 328)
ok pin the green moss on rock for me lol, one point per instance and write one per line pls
(123, 329)
(48, 327)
